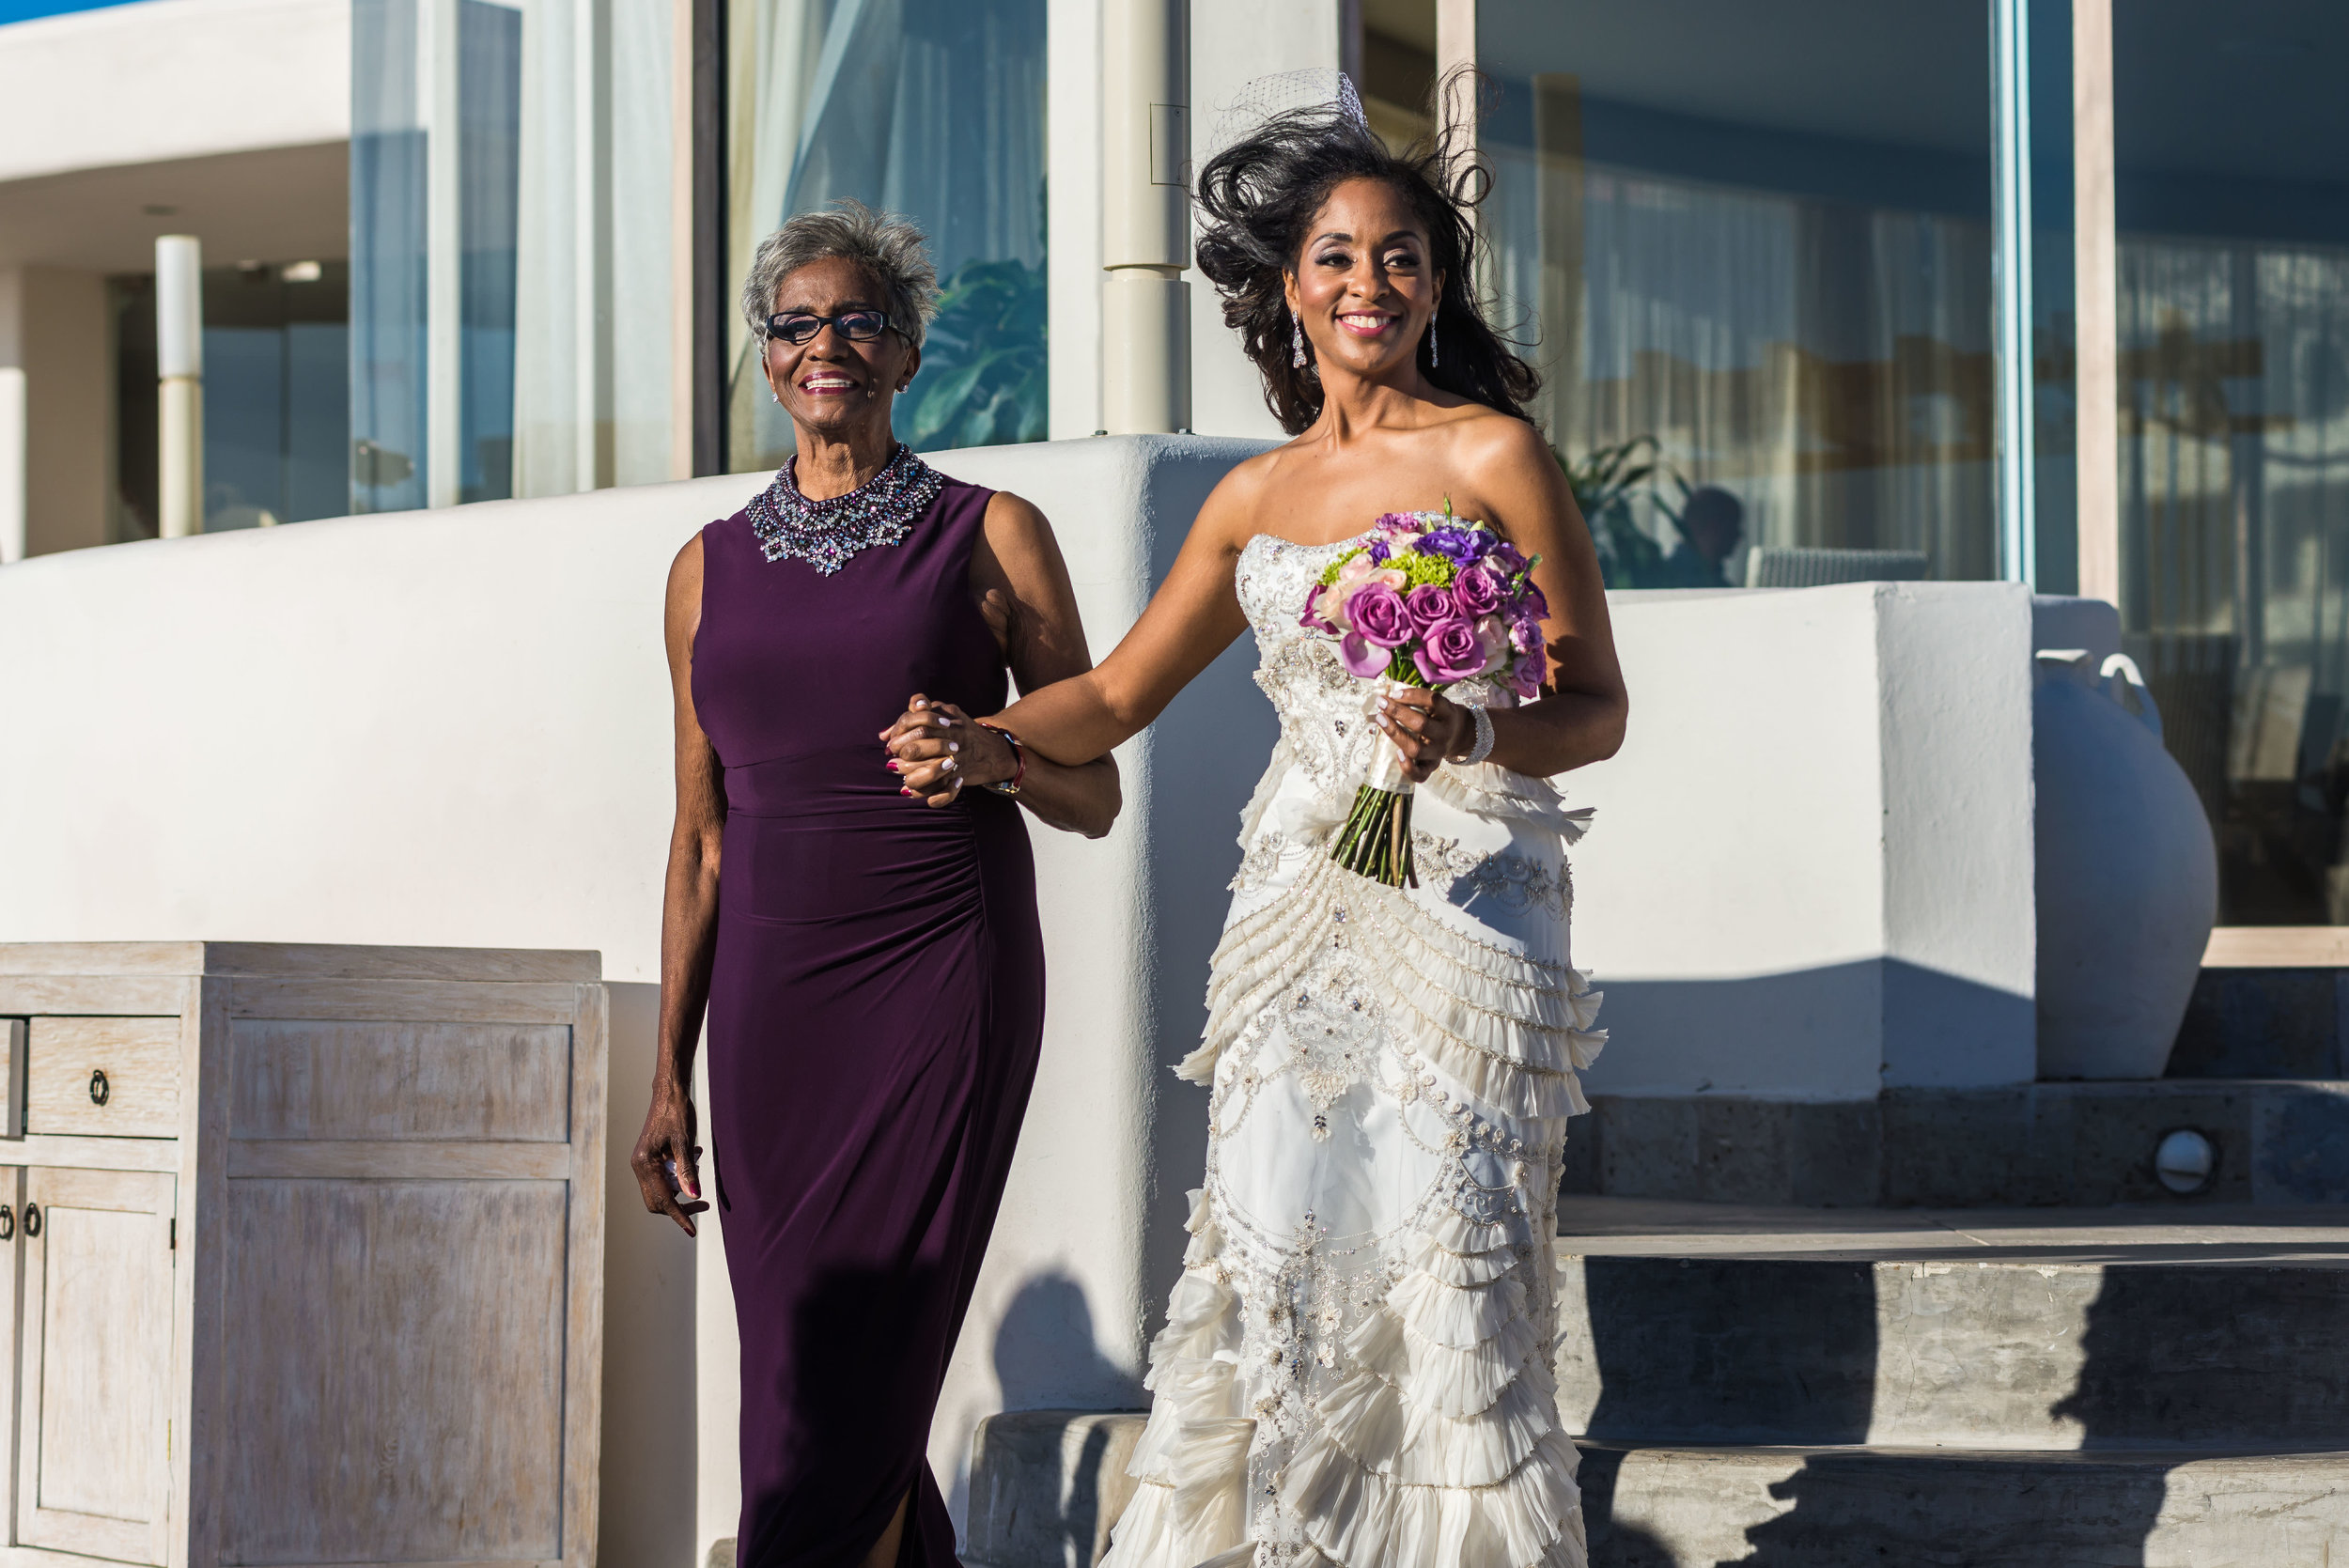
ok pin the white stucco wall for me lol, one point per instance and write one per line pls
(172, 79)
(452, 727)
(1810, 870)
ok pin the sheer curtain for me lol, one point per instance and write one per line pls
(1827, 362)
(932, 108)
(596, 320)
(2235, 476)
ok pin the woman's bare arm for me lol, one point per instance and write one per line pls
(1194, 616)
(688, 918)
(1030, 606)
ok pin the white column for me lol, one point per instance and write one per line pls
(1146, 317)
(1455, 50)
(12, 488)
(179, 367)
(15, 492)
(1075, 102)
(2096, 302)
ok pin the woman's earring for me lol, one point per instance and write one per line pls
(773, 397)
(1296, 340)
(1431, 342)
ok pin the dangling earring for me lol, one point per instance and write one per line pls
(1431, 342)
(773, 397)
(1296, 341)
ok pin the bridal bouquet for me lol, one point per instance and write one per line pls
(1426, 600)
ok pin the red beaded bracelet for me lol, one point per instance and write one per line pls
(1018, 759)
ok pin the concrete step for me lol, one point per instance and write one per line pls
(2279, 1142)
(2029, 1329)
(1046, 1485)
(1860, 1507)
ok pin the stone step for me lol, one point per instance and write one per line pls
(1046, 1485)
(2272, 1141)
(2013, 1329)
(1861, 1507)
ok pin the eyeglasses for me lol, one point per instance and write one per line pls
(857, 326)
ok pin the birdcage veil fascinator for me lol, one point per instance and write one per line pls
(1315, 88)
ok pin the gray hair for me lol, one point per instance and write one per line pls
(886, 245)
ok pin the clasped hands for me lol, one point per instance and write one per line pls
(936, 749)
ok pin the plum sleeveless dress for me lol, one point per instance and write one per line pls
(876, 1005)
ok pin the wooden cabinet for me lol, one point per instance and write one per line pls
(301, 1255)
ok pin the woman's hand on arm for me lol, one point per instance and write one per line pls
(688, 922)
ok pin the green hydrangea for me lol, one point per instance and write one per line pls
(1419, 570)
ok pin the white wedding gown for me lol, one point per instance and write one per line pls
(1355, 1369)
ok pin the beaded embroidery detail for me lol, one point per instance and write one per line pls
(829, 534)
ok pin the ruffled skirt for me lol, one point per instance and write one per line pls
(1355, 1369)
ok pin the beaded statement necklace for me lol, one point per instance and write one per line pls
(828, 533)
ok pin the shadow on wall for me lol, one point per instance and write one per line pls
(1830, 1029)
(1045, 1344)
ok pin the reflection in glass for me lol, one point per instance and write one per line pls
(387, 259)
(1752, 246)
(932, 108)
(276, 397)
(2232, 153)
(393, 246)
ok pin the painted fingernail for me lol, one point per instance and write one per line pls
(946, 767)
(904, 792)
(954, 745)
(894, 766)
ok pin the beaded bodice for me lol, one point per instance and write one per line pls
(1325, 715)
(829, 533)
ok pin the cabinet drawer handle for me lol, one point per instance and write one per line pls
(8, 1223)
(32, 1219)
(99, 1090)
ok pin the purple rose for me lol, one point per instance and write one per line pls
(1376, 612)
(1477, 590)
(1525, 634)
(1504, 556)
(1428, 604)
(1450, 651)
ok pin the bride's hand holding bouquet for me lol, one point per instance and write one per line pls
(1427, 601)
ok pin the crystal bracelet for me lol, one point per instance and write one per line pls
(1484, 744)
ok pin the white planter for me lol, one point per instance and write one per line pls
(2128, 876)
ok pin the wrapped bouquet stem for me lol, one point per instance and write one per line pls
(1426, 600)
(1374, 840)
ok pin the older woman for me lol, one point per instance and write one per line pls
(869, 959)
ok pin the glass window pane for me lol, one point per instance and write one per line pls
(2232, 169)
(932, 108)
(1752, 243)
(387, 259)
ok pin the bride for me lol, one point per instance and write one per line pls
(1355, 1368)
